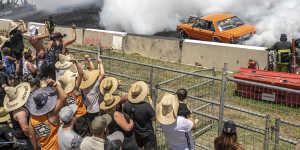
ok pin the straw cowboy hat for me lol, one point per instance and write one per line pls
(89, 78)
(42, 101)
(108, 85)
(4, 115)
(138, 91)
(68, 81)
(63, 62)
(109, 101)
(3, 40)
(12, 26)
(166, 109)
(16, 97)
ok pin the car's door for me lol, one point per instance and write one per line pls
(203, 30)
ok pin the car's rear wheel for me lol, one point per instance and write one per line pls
(215, 39)
(181, 34)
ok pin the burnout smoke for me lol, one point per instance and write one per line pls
(271, 17)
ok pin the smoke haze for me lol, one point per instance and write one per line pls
(271, 17)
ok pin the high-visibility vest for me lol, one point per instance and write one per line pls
(284, 56)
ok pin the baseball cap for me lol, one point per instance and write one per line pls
(229, 127)
(100, 123)
(116, 136)
(67, 113)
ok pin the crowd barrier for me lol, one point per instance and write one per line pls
(261, 125)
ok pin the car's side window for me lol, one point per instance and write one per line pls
(205, 25)
(211, 26)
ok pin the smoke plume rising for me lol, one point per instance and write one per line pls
(271, 17)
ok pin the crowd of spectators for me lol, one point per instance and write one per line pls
(50, 101)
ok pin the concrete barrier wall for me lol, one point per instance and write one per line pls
(165, 49)
(210, 54)
(107, 39)
(4, 24)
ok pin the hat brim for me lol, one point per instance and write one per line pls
(23, 92)
(116, 102)
(5, 118)
(143, 94)
(113, 88)
(3, 40)
(48, 107)
(66, 65)
(169, 118)
(13, 28)
(91, 78)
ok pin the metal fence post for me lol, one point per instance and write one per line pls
(277, 133)
(151, 81)
(213, 88)
(100, 51)
(222, 99)
(267, 130)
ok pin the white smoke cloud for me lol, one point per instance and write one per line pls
(271, 17)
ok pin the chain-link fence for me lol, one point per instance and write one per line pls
(267, 116)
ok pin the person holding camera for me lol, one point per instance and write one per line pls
(57, 46)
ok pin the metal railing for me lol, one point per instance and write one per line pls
(213, 100)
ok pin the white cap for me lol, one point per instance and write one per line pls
(32, 30)
(67, 113)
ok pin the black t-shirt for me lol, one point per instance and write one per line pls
(16, 41)
(183, 110)
(141, 114)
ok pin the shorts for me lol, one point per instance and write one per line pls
(149, 142)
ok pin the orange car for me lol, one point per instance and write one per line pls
(217, 27)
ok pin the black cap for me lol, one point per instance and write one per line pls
(40, 100)
(283, 37)
(229, 127)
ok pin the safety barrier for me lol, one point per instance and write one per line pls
(213, 100)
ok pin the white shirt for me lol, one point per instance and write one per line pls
(68, 139)
(178, 135)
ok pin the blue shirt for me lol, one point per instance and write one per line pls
(9, 66)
